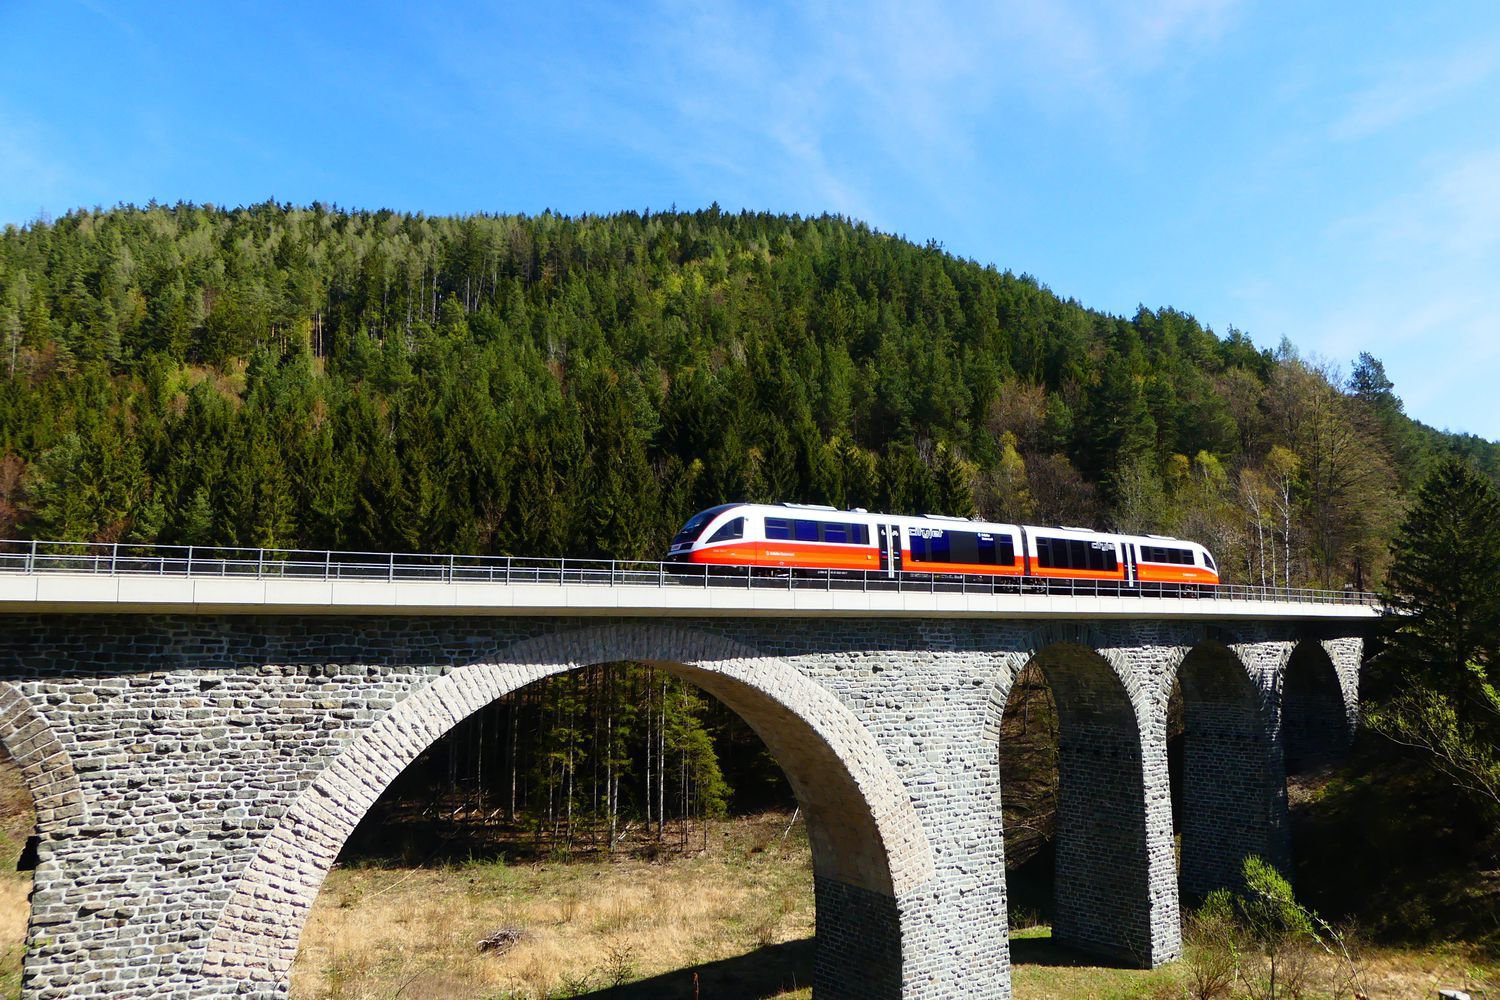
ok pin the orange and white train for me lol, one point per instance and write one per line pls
(793, 536)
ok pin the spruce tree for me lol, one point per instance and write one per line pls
(1436, 689)
(1443, 590)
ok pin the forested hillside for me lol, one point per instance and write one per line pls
(311, 377)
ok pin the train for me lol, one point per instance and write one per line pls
(788, 537)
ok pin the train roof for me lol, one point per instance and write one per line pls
(789, 506)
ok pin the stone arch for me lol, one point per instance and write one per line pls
(1315, 714)
(44, 763)
(1231, 805)
(869, 849)
(56, 795)
(1115, 886)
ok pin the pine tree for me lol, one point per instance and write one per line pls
(1437, 685)
(953, 482)
(1443, 590)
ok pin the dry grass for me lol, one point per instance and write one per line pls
(1045, 971)
(587, 925)
(1400, 973)
(15, 908)
(17, 820)
(744, 904)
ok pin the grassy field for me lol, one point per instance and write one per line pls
(739, 915)
(16, 823)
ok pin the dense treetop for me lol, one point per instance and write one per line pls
(313, 377)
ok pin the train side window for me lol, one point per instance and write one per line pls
(778, 528)
(918, 547)
(859, 534)
(1052, 553)
(986, 553)
(1007, 553)
(963, 546)
(835, 532)
(729, 531)
(806, 531)
(939, 548)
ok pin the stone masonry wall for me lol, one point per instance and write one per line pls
(1224, 771)
(196, 776)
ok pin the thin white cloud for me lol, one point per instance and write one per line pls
(1415, 88)
(1154, 33)
(1449, 220)
(1425, 299)
(918, 85)
(1468, 193)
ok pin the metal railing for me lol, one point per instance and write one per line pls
(126, 559)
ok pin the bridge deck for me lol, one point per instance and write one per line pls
(52, 577)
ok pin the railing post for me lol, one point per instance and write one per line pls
(114, 555)
(260, 564)
(31, 558)
(391, 575)
(451, 564)
(327, 564)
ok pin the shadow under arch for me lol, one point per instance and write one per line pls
(1110, 840)
(869, 849)
(1234, 799)
(1314, 720)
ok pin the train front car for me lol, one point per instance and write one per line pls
(1158, 559)
(778, 537)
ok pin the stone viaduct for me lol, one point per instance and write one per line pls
(199, 751)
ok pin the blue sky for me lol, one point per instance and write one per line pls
(1327, 172)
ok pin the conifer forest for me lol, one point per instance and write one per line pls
(309, 377)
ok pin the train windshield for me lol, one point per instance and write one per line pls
(695, 525)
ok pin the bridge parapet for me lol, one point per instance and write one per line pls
(77, 576)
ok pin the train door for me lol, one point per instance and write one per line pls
(890, 549)
(1130, 557)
